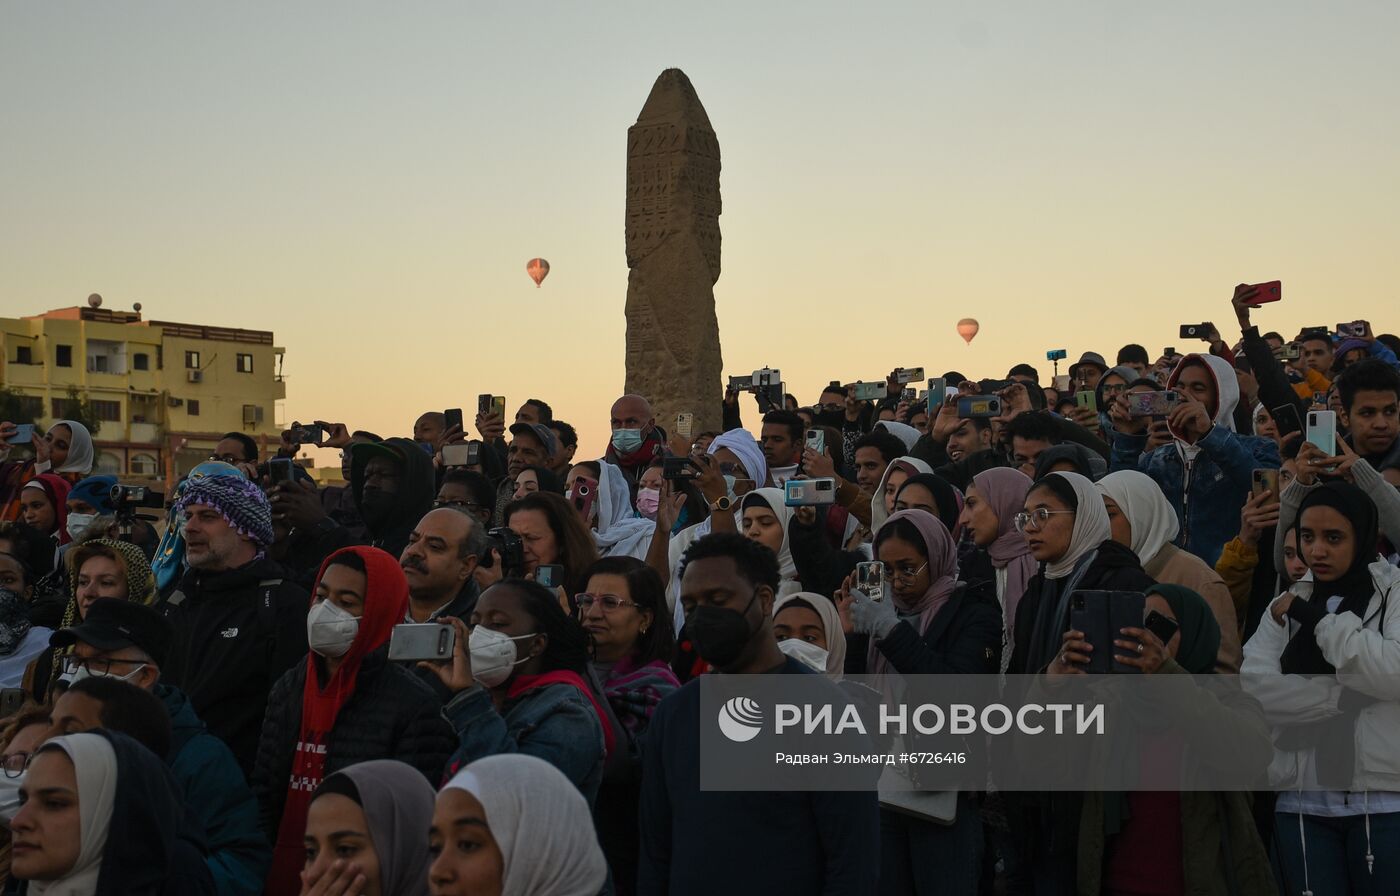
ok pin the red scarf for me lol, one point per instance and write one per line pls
(386, 603)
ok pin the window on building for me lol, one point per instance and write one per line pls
(143, 465)
(141, 361)
(24, 354)
(63, 355)
(59, 407)
(192, 360)
(192, 406)
(245, 363)
(98, 364)
(107, 411)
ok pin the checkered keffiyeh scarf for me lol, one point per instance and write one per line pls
(238, 500)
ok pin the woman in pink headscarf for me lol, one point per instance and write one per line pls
(989, 516)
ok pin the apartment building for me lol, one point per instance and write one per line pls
(164, 391)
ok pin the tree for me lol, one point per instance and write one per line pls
(18, 408)
(79, 407)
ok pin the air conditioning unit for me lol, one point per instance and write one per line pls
(252, 414)
(194, 376)
(174, 402)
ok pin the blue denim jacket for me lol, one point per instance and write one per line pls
(1209, 491)
(555, 722)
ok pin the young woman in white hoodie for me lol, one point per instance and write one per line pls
(1325, 665)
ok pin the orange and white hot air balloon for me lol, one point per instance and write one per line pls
(967, 329)
(538, 269)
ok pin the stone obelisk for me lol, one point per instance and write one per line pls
(673, 207)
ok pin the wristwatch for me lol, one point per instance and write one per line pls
(723, 504)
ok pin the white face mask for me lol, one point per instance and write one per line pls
(82, 672)
(78, 523)
(9, 796)
(330, 630)
(805, 652)
(493, 655)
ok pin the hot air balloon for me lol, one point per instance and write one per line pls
(967, 329)
(538, 269)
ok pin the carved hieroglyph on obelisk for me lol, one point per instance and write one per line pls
(673, 356)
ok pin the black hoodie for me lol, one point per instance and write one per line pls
(417, 489)
(152, 847)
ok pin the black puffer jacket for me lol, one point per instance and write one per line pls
(391, 715)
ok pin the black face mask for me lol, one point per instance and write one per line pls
(720, 634)
(376, 505)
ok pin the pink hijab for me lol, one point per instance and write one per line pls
(942, 556)
(1004, 489)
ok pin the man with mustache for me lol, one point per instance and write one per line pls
(442, 553)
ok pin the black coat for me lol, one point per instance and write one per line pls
(820, 568)
(963, 638)
(234, 637)
(391, 715)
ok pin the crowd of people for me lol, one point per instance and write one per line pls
(208, 702)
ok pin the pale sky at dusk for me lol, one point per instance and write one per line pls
(368, 181)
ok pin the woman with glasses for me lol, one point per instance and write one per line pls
(927, 624)
(623, 610)
(470, 491)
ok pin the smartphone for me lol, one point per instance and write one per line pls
(1320, 399)
(453, 417)
(416, 642)
(1061, 383)
(769, 397)
(550, 575)
(869, 391)
(810, 492)
(1356, 328)
(816, 441)
(1087, 400)
(462, 454)
(684, 424)
(979, 406)
(909, 395)
(1152, 404)
(1263, 481)
(24, 434)
(1288, 352)
(741, 383)
(1322, 431)
(1056, 354)
(1164, 627)
(937, 393)
(1195, 331)
(908, 374)
(1271, 291)
(1312, 331)
(1100, 615)
(870, 579)
(487, 405)
(768, 376)
(678, 469)
(280, 469)
(1169, 352)
(1286, 419)
(582, 496)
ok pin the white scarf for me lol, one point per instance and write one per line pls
(913, 467)
(1150, 515)
(1091, 526)
(775, 498)
(79, 459)
(620, 533)
(95, 768)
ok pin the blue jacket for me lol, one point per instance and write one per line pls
(216, 793)
(1208, 492)
(556, 723)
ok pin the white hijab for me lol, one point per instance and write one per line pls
(95, 767)
(776, 498)
(831, 622)
(746, 449)
(1150, 514)
(902, 431)
(541, 823)
(911, 465)
(620, 533)
(1091, 526)
(79, 458)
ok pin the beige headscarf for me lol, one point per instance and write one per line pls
(831, 622)
(95, 768)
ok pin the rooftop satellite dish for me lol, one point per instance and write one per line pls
(136, 307)
(94, 301)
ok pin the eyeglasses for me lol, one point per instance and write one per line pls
(14, 764)
(227, 458)
(1039, 516)
(1115, 390)
(908, 572)
(834, 406)
(610, 603)
(95, 665)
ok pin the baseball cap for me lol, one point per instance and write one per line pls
(539, 431)
(112, 624)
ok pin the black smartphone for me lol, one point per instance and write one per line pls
(453, 417)
(1286, 419)
(678, 469)
(1100, 615)
(1194, 331)
(280, 470)
(1163, 627)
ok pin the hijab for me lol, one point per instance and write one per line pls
(775, 499)
(1004, 489)
(825, 608)
(169, 562)
(57, 488)
(746, 449)
(1302, 656)
(1200, 633)
(398, 805)
(386, 603)
(95, 770)
(902, 431)
(80, 453)
(1091, 526)
(911, 466)
(942, 555)
(541, 823)
(1150, 515)
(620, 531)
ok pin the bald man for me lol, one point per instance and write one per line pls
(636, 439)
